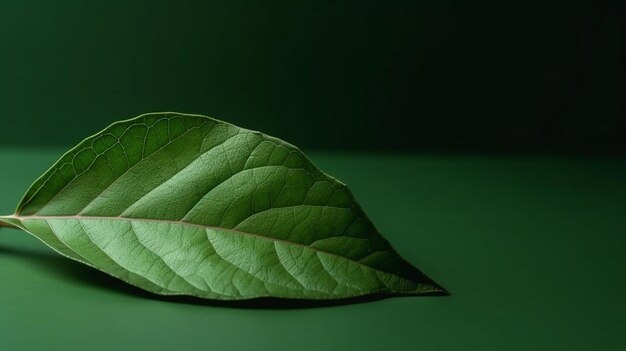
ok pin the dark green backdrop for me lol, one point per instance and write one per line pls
(419, 75)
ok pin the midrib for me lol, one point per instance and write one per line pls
(202, 226)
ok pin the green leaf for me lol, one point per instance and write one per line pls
(181, 204)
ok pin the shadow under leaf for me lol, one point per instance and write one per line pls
(77, 273)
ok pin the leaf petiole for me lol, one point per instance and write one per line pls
(6, 224)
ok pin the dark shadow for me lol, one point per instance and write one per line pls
(77, 273)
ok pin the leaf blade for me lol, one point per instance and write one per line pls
(191, 172)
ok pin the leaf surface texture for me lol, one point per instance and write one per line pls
(182, 204)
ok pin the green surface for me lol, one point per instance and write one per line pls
(531, 248)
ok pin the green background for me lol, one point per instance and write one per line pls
(531, 248)
(434, 75)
